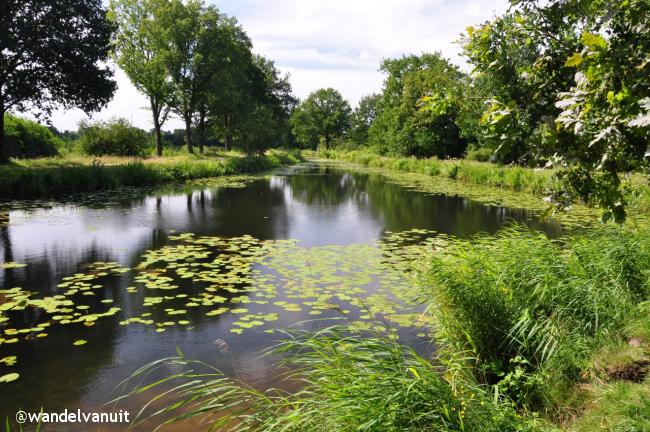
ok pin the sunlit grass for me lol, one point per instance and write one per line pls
(349, 382)
(44, 177)
(538, 182)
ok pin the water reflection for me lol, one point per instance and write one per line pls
(317, 206)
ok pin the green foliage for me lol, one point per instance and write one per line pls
(137, 50)
(564, 84)
(28, 139)
(53, 53)
(521, 179)
(528, 312)
(362, 118)
(479, 154)
(418, 108)
(264, 122)
(608, 108)
(351, 382)
(40, 182)
(324, 115)
(114, 137)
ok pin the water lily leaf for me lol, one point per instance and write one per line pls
(9, 377)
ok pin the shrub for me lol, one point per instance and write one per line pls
(479, 154)
(28, 139)
(114, 137)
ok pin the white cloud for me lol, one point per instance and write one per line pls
(329, 43)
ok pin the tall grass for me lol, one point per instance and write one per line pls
(25, 182)
(529, 312)
(516, 178)
(349, 383)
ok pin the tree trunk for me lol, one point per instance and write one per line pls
(4, 157)
(201, 131)
(327, 142)
(155, 110)
(159, 147)
(228, 127)
(188, 134)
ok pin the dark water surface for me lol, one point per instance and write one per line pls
(319, 206)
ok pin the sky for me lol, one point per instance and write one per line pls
(326, 43)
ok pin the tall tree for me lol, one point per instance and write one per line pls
(227, 73)
(324, 115)
(402, 128)
(265, 121)
(53, 52)
(180, 27)
(364, 114)
(608, 107)
(137, 50)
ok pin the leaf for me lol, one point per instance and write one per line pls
(643, 119)
(9, 377)
(574, 61)
(594, 41)
(12, 265)
(80, 342)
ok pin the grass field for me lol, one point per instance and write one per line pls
(47, 177)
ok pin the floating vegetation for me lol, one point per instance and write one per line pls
(12, 265)
(257, 283)
(9, 377)
(9, 361)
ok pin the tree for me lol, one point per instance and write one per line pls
(180, 27)
(137, 50)
(53, 52)
(608, 107)
(227, 95)
(519, 61)
(568, 87)
(403, 127)
(324, 115)
(364, 114)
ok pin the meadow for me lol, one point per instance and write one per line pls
(54, 176)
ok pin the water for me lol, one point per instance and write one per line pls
(335, 215)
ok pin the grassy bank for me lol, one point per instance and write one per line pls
(512, 177)
(49, 177)
(534, 181)
(533, 334)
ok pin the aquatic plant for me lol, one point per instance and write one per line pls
(530, 333)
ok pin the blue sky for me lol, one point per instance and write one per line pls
(327, 43)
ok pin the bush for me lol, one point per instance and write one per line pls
(479, 154)
(114, 137)
(28, 139)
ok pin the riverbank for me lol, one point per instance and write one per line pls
(48, 177)
(532, 334)
(537, 182)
